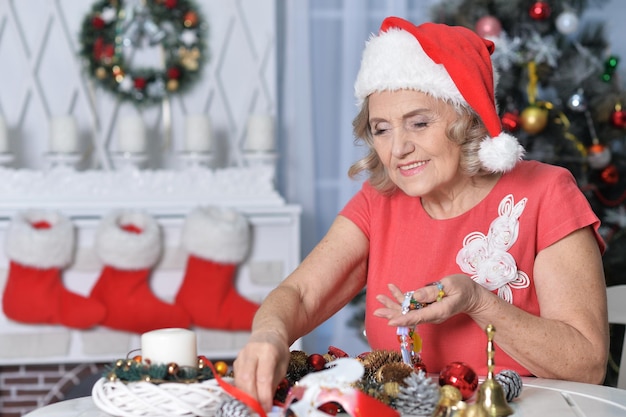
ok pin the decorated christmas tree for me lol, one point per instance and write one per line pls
(560, 95)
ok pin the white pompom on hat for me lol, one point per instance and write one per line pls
(451, 63)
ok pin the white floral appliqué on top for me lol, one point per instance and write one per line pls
(486, 258)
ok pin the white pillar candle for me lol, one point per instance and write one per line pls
(165, 346)
(132, 134)
(63, 134)
(4, 137)
(260, 133)
(198, 133)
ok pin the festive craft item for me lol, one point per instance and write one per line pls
(217, 240)
(129, 244)
(114, 29)
(164, 346)
(491, 395)
(39, 246)
(167, 379)
(461, 376)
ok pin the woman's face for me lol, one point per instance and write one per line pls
(409, 135)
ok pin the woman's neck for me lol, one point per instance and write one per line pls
(457, 200)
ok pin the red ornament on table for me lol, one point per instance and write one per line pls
(461, 376)
(540, 10)
(488, 26)
(140, 83)
(618, 117)
(316, 361)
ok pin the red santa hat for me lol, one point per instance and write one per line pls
(451, 63)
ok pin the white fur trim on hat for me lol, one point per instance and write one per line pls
(124, 249)
(500, 154)
(217, 233)
(395, 61)
(40, 248)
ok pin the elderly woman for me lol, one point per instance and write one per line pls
(451, 232)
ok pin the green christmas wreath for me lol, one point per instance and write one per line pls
(113, 29)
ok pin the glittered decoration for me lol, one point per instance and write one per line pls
(418, 395)
(111, 31)
(511, 383)
(461, 376)
(610, 175)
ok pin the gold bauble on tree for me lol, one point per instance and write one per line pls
(534, 119)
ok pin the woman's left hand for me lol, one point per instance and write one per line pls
(460, 295)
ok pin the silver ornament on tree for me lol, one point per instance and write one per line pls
(577, 102)
(598, 156)
(567, 22)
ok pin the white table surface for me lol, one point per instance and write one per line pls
(539, 398)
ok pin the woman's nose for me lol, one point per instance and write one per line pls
(401, 145)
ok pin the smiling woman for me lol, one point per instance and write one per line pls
(448, 200)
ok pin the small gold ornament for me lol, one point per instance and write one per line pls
(534, 119)
(172, 85)
(221, 367)
(101, 73)
(172, 368)
(189, 58)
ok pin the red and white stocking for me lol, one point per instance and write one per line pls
(129, 245)
(217, 240)
(39, 245)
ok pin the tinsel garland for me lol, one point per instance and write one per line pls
(110, 28)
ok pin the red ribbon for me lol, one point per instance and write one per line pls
(237, 393)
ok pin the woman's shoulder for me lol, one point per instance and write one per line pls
(530, 170)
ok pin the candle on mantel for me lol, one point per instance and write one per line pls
(132, 134)
(63, 134)
(198, 133)
(173, 345)
(4, 137)
(260, 133)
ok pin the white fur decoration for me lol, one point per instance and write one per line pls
(145, 399)
(218, 234)
(40, 248)
(500, 154)
(126, 250)
(395, 60)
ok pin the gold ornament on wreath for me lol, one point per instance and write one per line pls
(114, 30)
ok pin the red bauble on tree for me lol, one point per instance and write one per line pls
(488, 26)
(510, 121)
(540, 10)
(610, 175)
(599, 156)
(618, 117)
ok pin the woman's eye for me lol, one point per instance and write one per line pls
(420, 125)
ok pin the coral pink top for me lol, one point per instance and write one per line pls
(496, 243)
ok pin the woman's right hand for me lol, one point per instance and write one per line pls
(261, 365)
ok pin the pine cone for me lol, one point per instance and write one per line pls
(233, 408)
(511, 383)
(298, 366)
(377, 358)
(419, 396)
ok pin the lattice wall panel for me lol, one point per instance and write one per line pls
(41, 76)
